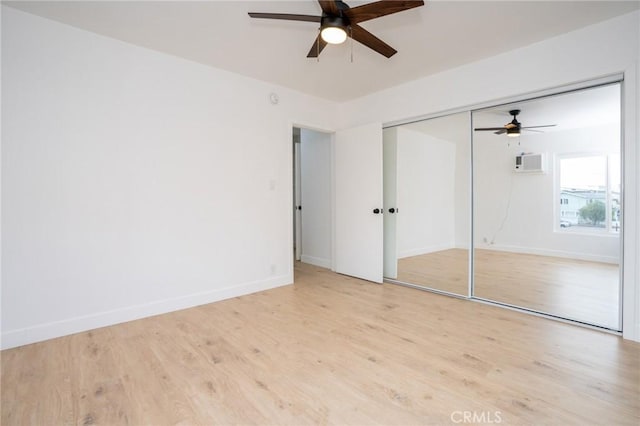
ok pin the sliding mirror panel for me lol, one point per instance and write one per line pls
(547, 205)
(427, 208)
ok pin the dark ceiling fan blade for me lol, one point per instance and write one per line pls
(488, 129)
(535, 127)
(378, 9)
(531, 130)
(317, 47)
(365, 37)
(499, 132)
(329, 7)
(286, 16)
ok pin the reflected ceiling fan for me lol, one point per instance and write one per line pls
(339, 21)
(514, 127)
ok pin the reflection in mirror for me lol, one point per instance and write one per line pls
(427, 203)
(547, 218)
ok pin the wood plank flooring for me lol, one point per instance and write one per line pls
(576, 289)
(328, 350)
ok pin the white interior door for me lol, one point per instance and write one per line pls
(390, 162)
(358, 202)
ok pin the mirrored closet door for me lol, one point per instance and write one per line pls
(547, 205)
(427, 208)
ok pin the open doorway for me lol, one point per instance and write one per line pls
(312, 197)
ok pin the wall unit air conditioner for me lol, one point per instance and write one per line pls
(529, 163)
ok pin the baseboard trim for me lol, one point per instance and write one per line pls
(41, 332)
(317, 261)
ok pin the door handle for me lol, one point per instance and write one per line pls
(299, 207)
(377, 211)
(393, 210)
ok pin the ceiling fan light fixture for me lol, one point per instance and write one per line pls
(513, 133)
(333, 30)
(333, 35)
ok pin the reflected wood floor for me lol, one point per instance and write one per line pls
(446, 270)
(328, 350)
(576, 289)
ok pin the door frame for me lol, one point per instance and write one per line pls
(297, 199)
(290, 186)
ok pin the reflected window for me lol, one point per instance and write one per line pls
(589, 193)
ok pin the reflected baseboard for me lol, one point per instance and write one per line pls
(552, 253)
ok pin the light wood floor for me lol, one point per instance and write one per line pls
(575, 289)
(327, 350)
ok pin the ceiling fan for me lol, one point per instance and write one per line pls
(339, 21)
(514, 127)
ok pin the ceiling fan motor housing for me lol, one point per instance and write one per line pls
(334, 21)
(515, 123)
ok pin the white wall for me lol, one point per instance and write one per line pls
(603, 49)
(315, 168)
(135, 183)
(426, 193)
(515, 211)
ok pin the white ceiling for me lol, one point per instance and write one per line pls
(438, 36)
(584, 108)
